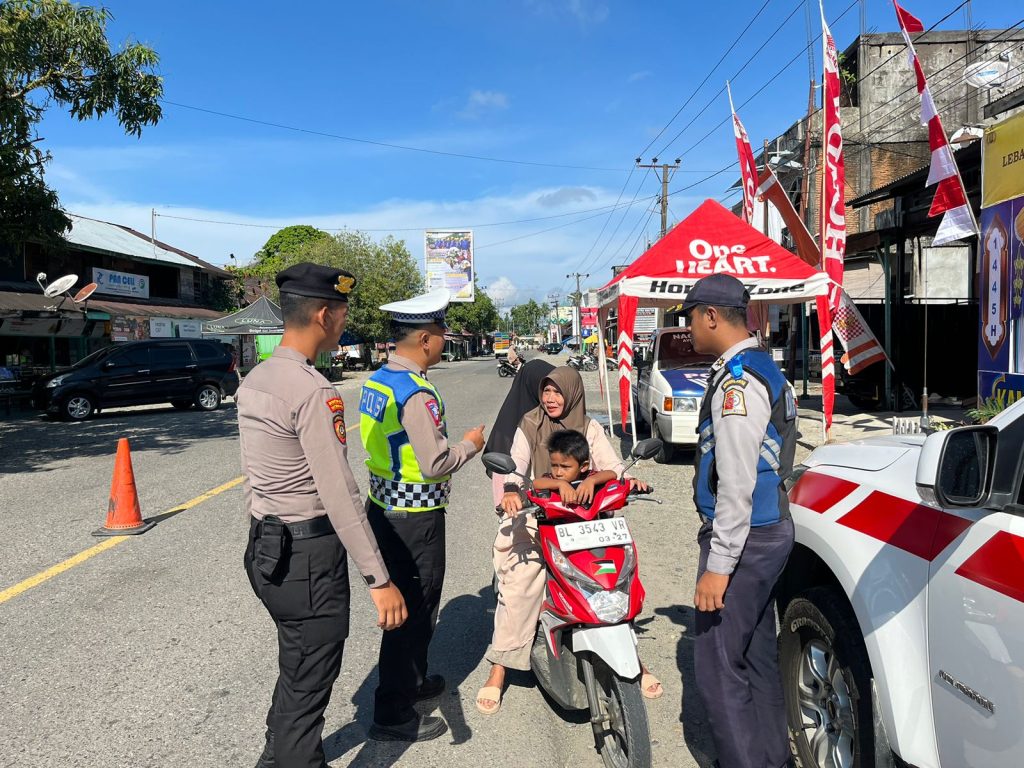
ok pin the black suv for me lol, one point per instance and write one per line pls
(183, 372)
(552, 349)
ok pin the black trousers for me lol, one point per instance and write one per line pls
(736, 655)
(412, 545)
(308, 599)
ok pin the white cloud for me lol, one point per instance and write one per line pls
(638, 76)
(482, 102)
(503, 292)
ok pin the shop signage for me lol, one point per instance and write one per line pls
(121, 283)
(161, 328)
(189, 329)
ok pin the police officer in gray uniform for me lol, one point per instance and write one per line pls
(746, 444)
(305, 514)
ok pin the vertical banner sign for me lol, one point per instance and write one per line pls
(626, 319)
(995, 300)
(449, 262)
(833, 220)
(748, 170)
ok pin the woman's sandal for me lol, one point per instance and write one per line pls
(489, 693)
(649, 681)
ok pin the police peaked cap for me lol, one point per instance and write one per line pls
(720, 290)
(316, 281)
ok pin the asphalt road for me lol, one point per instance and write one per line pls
(154, 651)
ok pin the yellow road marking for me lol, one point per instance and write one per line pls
(113, 541)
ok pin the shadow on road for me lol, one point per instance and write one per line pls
(692, 713)
(39, 444)
(460, 640)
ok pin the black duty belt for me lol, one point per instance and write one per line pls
(305, 529)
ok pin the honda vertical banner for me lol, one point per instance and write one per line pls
(833, 222)
(624, 350)
(449, 262)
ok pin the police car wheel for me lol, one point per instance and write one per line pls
(667, 451)
(826, 678)
(207, 398)
(78, 407)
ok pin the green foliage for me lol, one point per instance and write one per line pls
(988, 409)
(478, 316)
(528, 317)
(56, 53)
(288, 240)
(384, 271)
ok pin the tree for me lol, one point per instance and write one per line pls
(56, 53)
(478, 316)
(289, 240)
(528, 317)
(384, 272)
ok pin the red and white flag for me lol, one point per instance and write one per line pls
(862, 347)
(950, 198)
(624, 352)
(748, 170)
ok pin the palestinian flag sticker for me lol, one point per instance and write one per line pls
(604, 567)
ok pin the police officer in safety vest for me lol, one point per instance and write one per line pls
(746, 443)
(411, 461)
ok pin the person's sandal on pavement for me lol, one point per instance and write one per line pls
(419, 728)
(650, 686)
(488, 693)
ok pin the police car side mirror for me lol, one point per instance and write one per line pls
(501, 463)
(955, 467)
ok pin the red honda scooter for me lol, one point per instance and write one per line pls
(585, 652)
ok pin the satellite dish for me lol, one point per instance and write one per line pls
(41, 279)
(60, 285)
(85, 293)
(992, 73)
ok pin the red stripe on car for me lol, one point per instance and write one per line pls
(820, 492)
(998, 564)
(914, 528)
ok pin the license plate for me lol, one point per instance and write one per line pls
(612, 532)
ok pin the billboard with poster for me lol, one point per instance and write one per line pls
(448, 255)
(1001, 263)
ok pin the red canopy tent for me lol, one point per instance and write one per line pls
(708, 241)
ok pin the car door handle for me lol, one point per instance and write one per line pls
(191, 367)
(144, 370)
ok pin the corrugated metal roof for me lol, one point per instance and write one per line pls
(112, 238)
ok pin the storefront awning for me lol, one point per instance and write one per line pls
(122, 309)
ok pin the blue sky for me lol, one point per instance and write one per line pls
(584, 83)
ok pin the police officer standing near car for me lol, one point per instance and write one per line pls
(411, 460)
(746, 445)
(305, 513)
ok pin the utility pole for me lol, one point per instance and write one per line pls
(577, 315)
(664, 177)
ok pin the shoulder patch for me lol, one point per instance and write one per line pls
(339, 428)
(336, 404)
(373, 403)
(434, 408)
(734, 402)
(790, 404)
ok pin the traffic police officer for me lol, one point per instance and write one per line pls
(403, 428)
(305, 513)
(746, 443)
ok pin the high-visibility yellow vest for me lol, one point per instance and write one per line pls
(397, 481)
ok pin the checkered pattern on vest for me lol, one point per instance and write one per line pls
(401, 495)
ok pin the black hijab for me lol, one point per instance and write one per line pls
(523, 397)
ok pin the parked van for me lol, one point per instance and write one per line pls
(183, 372)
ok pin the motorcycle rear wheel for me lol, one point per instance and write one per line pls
(622, 736)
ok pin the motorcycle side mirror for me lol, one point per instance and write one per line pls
(501, 463)
(646, 449)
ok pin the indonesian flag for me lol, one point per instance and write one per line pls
(771, 191)
(748, 170)
(862, 347)
(626, 320)
(828, 361)
(950, 199)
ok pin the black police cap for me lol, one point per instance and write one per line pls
(316, 281)
(719, 290)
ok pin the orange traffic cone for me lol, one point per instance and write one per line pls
(124, 516)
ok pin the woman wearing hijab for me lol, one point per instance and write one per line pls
(517, 557)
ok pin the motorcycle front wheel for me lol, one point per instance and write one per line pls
(590, 366)
(621, 731)
(503, 373)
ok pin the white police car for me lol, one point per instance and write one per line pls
(902, 605)
(671, 379)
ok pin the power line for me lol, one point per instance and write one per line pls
(706, 77)
(621, 219)
(388, 145)
(604, 226)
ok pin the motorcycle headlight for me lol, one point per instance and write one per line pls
(684, 404)
(570, 571)
(56, 381)
(628, 566)
(609, 606)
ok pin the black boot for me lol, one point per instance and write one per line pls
(267, 758)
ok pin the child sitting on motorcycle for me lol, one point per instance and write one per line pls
(518, 563)
(570, 474)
